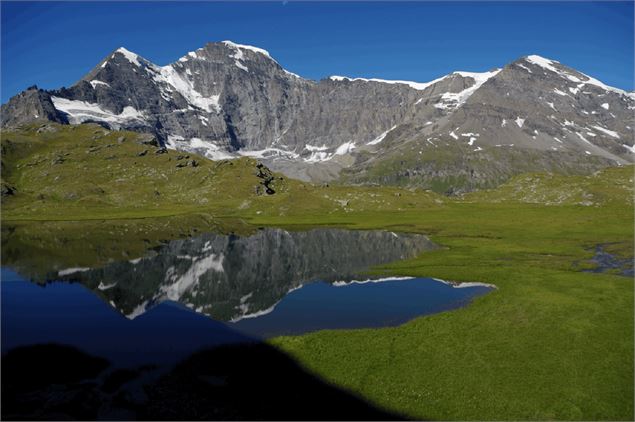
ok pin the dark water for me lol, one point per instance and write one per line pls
(387, 303)
(69, 313)
(605, 262)
(216, 290)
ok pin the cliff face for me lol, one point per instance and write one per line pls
(30, 106)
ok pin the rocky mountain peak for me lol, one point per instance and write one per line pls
(227, 100)
(541, 67)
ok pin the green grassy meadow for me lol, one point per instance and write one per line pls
(551, 342)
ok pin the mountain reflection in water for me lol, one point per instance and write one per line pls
(216, 290)
(231, 277)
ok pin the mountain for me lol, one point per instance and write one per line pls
(459, 132)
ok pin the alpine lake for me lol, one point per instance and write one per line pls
(221, 289)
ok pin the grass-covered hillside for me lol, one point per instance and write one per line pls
(456, 167)
(76, 172)
(610, 186)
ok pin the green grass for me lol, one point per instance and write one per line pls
(551, 342)
(84, 172)
(612, 185)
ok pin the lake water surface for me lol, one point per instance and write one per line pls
(215, 289)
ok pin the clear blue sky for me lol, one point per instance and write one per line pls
(54, 44)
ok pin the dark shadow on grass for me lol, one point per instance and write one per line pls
(51, 382)
(238, 382)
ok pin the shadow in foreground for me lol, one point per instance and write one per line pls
(239, 382)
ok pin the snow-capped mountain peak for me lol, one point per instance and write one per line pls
(132, 57)
(247, 47)
(228, 100)
(573, 75)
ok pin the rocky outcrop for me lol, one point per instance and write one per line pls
(268, 179)
(30, 106)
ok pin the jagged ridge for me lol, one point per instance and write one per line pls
(227, 100)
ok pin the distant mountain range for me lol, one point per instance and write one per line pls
(459, 132)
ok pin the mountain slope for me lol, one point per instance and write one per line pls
(53, 171)
(229, 100)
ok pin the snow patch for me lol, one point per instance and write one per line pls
(370, 280)
(199, 146)
(380, 137)
(138, 310)
(238, 56)
(247, 47)
(95, 82)
(132, 57)
(81, 111)
(520, 122)
(178, 285)
(313, 148)
(68, 271)
(549, 65)
(420, 86)
(583, 138)
(524, 67)
(608, 132)
(453, 100)
(103, 286)
(345, 148)
(294, 75)
(542, 62)
(255, 314)
(317, 153)
(269, 153)
(630, 148)
(241, 66)
(317, 156)
(170, 76)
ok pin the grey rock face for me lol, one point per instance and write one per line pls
(533, 115)
(534, 107)
(226, 100)
(30, 106)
